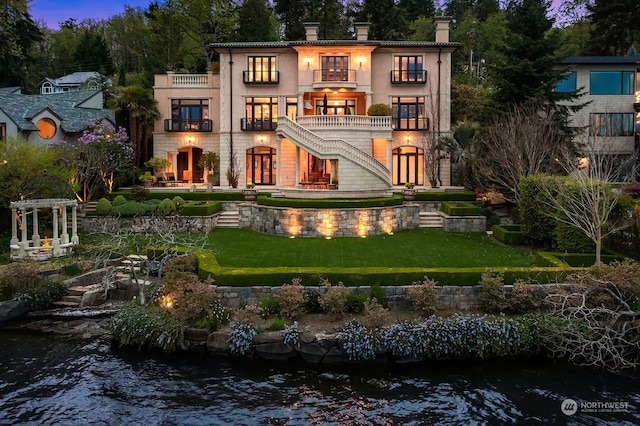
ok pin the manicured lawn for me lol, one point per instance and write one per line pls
(428, 248)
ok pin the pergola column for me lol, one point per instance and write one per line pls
(55, 240)
(65, 234)
(14, 226)
(24, 244)
(74, 224)
(35, 237)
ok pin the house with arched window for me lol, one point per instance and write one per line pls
(294, 115)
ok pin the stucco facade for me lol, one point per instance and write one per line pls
(292, 115)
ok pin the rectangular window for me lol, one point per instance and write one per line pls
(612, 83)
(407, 69)
(261, 70)
(615, 124)
(190, 115)
(408, 113)
(568, 84)
(292, 108)
(3, 132)
(335, 68)
(260, 114)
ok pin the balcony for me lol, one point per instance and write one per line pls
(260, 77)
(189, 80)
(334, 78)
(255, 125)
(345, 121)
(408, 76)
(204, 125)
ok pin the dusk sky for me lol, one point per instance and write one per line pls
(55, 11)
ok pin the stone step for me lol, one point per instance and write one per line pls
(430, 220)
(77, 290)
(75, 299)
(64, 304)
(228, 219)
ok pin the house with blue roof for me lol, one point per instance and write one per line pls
(50, 118)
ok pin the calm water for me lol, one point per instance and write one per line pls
(48, 380)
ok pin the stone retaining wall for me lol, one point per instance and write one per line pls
(352, 222)
(464, 223)
(174, 223)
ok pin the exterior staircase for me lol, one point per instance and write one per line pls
(228, 219)
(73, 299)
(330, 148)
(430, 220)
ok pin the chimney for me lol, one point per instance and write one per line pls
(362, 30)
(311, 30)
(442, 28)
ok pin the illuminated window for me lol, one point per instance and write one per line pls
(408, 69)
(261, 69)
(46, 128)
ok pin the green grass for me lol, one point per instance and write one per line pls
(423, 248)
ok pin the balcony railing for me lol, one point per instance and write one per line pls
(408, 76)
(248, 124)
(261, 77)
(347, 121)
(203, 125)
(334, 75)
(190, 80)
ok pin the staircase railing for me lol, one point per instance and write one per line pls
(330, 147)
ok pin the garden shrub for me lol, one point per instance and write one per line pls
(378, 293)
(167, 207)
(147, 326)
(492, 294)
(355, 302)
(446, 196)
(537, 226)
(187, 262)
(241, 339)
(572, 240)
(521, 298)
(375, 315)
(248, 314)
(334, 299)
(509, 234)
(277, 324)
(269, 306)
(358, 342)
(134, 208)
(329, 203)
(311, 296)
(103, 207)
(292, 335)
(459, 208)
(139, 193)
(424, 297)
(216, 316)
(190, 298)
(201, 208)
(178, 201)
(120, 199)
(291, 299)
(379, 110)
(619, 276)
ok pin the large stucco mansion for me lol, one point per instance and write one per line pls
(292, 115)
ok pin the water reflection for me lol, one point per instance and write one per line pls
(49, 380)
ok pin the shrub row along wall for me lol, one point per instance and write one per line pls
(173, 223)
(396, 297)
(328, 222)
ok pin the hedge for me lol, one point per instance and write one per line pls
(509, 234)
(201, 208)
(460, 209)
(329, 203)
(243, 277)
(192, 196)
(446, 196)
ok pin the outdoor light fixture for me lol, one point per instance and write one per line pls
(261, 139)
(307, 61)
(407, 140)
(189, 139)
(360, 61)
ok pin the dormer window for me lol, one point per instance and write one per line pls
(261, 70)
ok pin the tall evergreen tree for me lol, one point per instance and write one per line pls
(414, 9)
(616, 26)
(256, 22)
(387, 20)
(18, 33)
(291, 14)
(91, 54)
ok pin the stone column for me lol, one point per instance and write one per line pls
(14, 226)
(65, 234)
(36, 236)
(24, 244)
(297, 177)
(279, 160)
(74, 224)
(55, 240)
(390, 159)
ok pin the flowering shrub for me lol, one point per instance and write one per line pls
(241, 339)
(334, 299)
(358, 342)
(100, 153)
(291, 299)
(424, 297)
(375, 315)
(187, 298)
(249, 314)
(292, 335)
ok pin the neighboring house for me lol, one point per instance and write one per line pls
(50, 118)
(293, 114)
(611, 116)
(88, 80)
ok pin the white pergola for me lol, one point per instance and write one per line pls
(37, 247)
